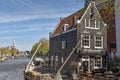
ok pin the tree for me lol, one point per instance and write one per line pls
(44, 48)
(4, 51)
(14, 52)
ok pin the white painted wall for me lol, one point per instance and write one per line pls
(117, 18)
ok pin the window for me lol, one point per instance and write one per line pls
(62, 60)
(64, 44)
(64, 28)
(97, 24)
(85, 41)
(98, 62)
(51, 61)
(87, 23)
(98, 42)
(56, 60)
(92, 24)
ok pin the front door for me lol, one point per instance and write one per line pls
(86, 63)
(85, 66)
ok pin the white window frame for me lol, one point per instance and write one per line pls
(96, 67)
(95, 27)
(86, 23)
(64, 44)
(64, 27)
(98, 24)
(82, 41)
(101, 42)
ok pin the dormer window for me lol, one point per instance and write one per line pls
(64, 28)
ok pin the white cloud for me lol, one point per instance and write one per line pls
(16, 18)
(22, 30)
(9, 37)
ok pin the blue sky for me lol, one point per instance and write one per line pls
(26, 21)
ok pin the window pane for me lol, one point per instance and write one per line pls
(97, 23)
(92, 23)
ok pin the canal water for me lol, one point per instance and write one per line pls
(12, 69)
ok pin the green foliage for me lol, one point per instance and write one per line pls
(4, 50)
(44, 48)
(14, 51)
(73, 66)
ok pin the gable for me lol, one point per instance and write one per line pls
(91, 13)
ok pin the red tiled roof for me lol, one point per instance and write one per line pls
(70, 20)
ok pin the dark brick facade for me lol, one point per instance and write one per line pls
(56, 47)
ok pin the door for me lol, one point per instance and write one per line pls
(85, 66)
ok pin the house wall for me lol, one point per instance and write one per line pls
(82, 30)
(56, 47)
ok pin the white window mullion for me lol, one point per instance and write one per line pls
(89, 23)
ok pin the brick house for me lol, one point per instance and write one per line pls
(88, 26)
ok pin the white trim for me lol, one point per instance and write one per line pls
(64, 32)
(101, 42)
(88, 58)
